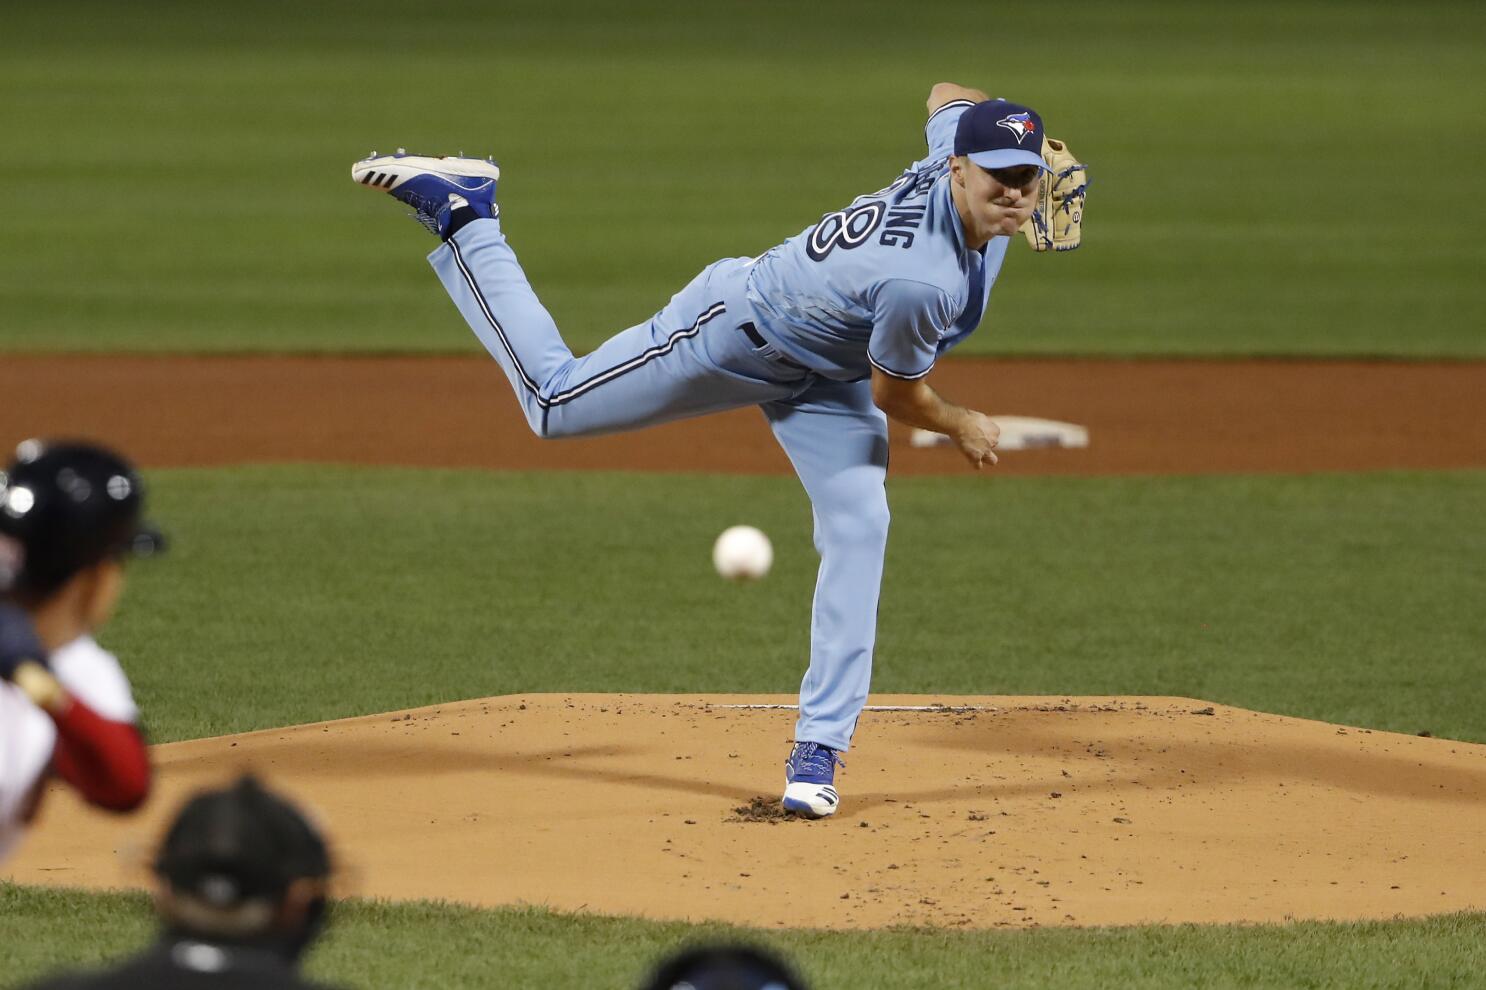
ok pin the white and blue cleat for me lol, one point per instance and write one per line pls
(433, 187)
(810, 780)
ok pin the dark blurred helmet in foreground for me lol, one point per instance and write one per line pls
(241, 894)
(232, 856)
(724, 967)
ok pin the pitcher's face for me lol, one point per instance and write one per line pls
(997, 201)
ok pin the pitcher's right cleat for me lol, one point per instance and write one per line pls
(810, 777)
(433, 187)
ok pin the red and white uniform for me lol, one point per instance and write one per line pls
(94, 744)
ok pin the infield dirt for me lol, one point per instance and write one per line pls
(978, 813)
(1150, 417)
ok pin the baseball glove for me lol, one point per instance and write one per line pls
(1057, 223)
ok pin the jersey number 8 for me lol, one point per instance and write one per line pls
(848, 228)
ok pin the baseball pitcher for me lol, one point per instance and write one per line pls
(829, 334)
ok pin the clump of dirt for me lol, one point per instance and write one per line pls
(763, 809)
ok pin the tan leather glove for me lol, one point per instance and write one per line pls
(1057, 223)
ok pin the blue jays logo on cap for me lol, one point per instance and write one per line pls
(1020, 124)
(995, 134)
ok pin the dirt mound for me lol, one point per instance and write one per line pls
(967, 812)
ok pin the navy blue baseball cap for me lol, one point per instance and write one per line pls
(1000, 134)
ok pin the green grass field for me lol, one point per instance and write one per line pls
(385, 589)
(431, 946)
(1347, 598)
(1268, 178)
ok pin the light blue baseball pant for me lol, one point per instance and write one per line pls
(693, 358)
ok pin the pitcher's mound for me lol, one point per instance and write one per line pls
(973, 812)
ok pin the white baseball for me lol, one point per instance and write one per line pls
(742, 553)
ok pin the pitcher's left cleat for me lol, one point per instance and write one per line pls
(810, 778)
(433, 187)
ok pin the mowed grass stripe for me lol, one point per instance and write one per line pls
(1246, 161)
(295, 594)
(374, 944)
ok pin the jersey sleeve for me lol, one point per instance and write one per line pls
(27, 739)
(939, 132)
(106, 760)
(908, 320)
(94, 677)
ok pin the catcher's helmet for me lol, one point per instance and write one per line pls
(64, 507)
(724, 967)
(240, 843)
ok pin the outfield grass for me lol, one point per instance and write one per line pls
(373, 944)
(1351, 598)
(177, 173)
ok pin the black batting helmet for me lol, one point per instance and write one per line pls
(64, 507)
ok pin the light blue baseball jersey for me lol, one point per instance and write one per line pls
(886, 283)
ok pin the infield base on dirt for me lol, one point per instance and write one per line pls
(978, 812)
